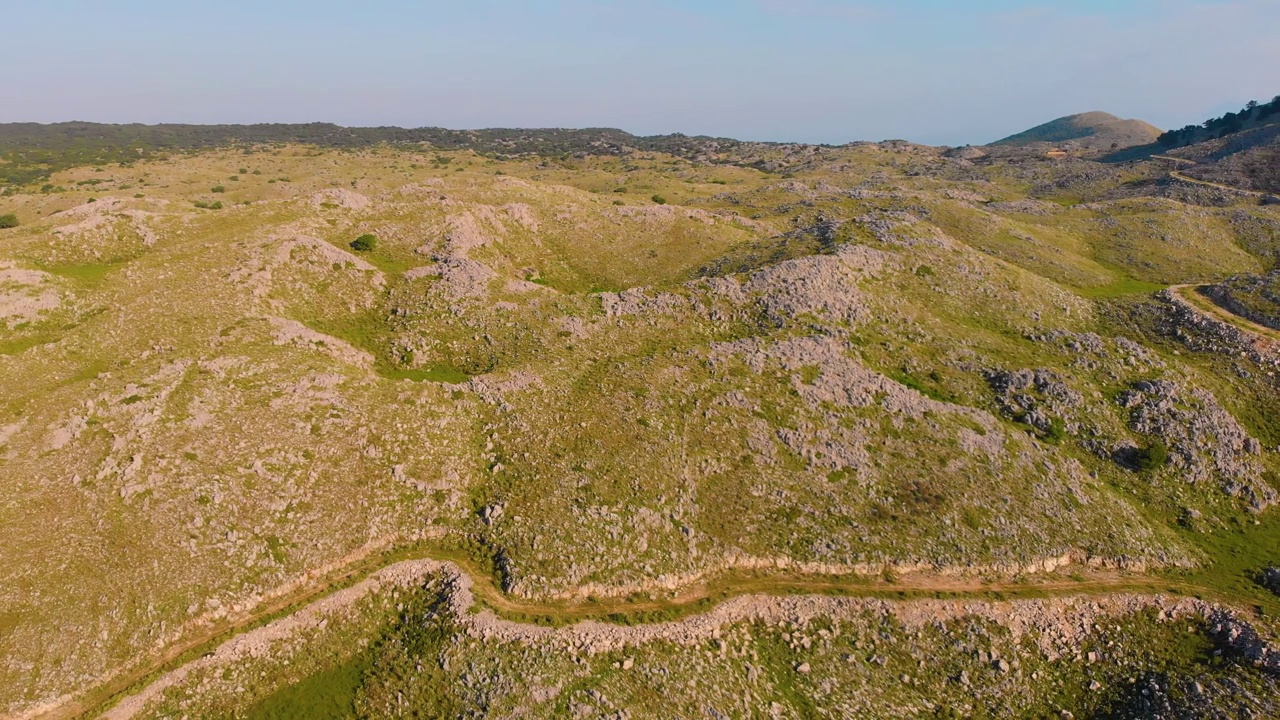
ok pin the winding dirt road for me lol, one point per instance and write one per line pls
(1191, 298)
(1176, 175)
(122, 695)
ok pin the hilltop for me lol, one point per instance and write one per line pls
(1091, 130)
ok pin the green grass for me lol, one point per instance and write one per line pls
(1237, 552)
(89, 273)
(389, 262)
(371, 334)
(438, 373)
(19, 345)
(1119, 288)
(326, 695)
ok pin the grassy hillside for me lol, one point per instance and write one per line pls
(608, 378)
(1092, 130)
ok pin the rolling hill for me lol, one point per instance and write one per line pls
(390, 429)
(1091, 130)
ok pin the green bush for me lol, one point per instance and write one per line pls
(659, 199)
(1056, 432)
(364, 243)
(8, 221)
(1152, 457)
(218, 189)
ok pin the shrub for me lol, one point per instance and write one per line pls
(1056, 432)
(659, 199)
(8, 221)
(217, 189)
(1152, 457)
(244, 171)
(364, 243)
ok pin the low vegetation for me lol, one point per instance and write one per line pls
(882, 372)
(365, 243)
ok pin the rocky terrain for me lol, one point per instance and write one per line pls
(1256, 297)
(754, 656)
(636, 395)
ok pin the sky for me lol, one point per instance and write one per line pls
(832, 71)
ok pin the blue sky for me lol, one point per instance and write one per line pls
(805, 70)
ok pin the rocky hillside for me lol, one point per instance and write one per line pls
(1249, 159)
(621, 387)
(1256, 297)
(1090, 131)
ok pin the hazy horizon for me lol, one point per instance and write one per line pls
(819, 71)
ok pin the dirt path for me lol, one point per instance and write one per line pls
(1205, 306)
(366, 571)
(1176, 175)
(750, 600)
(1186, 178)
(286, 598)
(1171, 158)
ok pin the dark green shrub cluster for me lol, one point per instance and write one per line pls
(1152, 457)
(218, 189)
(217, 205)
(659, 199)
(364, 243)
(8, 221)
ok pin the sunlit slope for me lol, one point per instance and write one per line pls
(595, 375)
